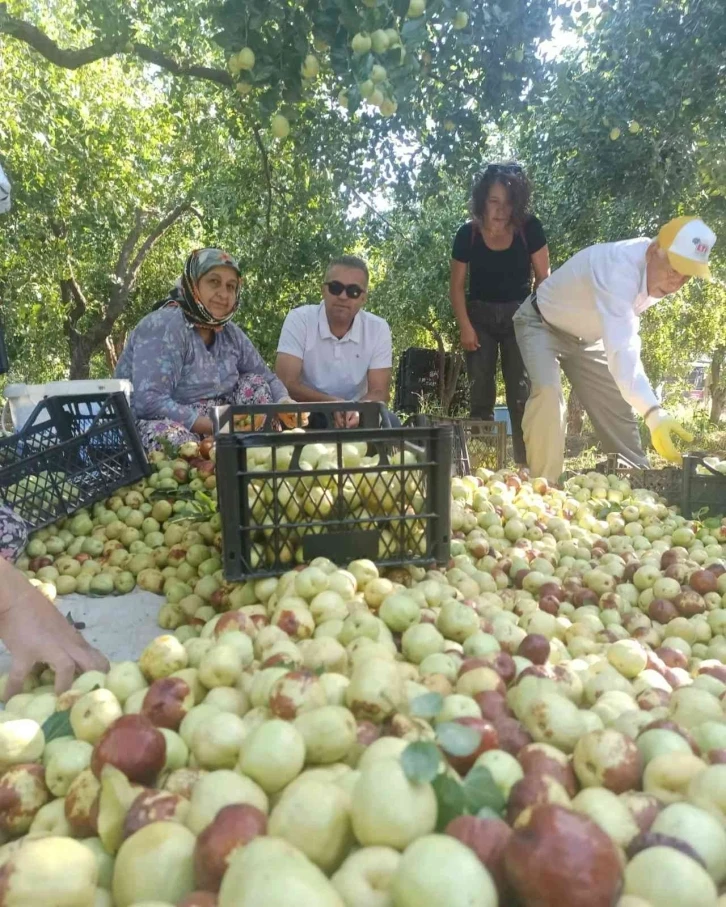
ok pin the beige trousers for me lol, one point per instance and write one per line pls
(545, 350)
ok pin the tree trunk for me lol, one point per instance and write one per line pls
(81, 354)
(575, 415)
(97, 336)
(442, 366)
(452, 380)
(718, 385)
(113, 347)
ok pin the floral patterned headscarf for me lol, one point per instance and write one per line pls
(186, 293)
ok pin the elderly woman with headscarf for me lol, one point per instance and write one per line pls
(187, 356)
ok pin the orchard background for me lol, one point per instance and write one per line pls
(288, 131)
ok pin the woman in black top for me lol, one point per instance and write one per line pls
(499, 249)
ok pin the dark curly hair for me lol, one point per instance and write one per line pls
(514, 180)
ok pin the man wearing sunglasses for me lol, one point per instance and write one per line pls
(335, 351)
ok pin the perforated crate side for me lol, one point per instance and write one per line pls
(393, 513)
(72, 452)
(477, 443)
(666, 483)
(486, 443)
(703, 495)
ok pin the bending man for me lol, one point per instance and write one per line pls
(585, 318)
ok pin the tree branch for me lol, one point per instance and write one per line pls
(47, 47)
(75, 58)
(206, 73)
(126, 274)
(268, 175)
(71, 292)
(148, 244)
(128, 247)
(374, 210)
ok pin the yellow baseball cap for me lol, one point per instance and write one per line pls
(688, 243)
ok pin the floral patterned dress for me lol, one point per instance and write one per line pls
(13, 534)
(177, 378)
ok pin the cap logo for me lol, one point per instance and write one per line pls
(701, 247)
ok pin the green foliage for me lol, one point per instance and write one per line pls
(620, 132)
(434, 68)
(623, 132)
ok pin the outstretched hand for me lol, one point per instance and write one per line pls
(35, 632)
(661, 434)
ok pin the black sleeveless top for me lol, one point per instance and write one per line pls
(499, 276)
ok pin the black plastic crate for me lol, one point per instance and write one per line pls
(666, 483)
(281, 504)
(417, 377)
(477, 443)
(71, 452)
(704, 488)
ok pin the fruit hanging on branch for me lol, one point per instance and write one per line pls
(429, 52)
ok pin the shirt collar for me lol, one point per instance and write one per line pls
(353, 334)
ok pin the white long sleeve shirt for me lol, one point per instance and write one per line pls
(599, 294)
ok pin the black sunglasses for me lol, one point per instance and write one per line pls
(352, 290)
(504, 168)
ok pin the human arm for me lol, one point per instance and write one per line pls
(155, 366)
(379, 391)
(616, 291)
(539, 253)
(541, 265)
(35, 632)
(379, 385)
(289, 362)
(289, 371)
(460, 258)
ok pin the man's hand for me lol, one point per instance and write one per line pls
(35, 632)
(469, 339)
(348, 419)
(662, 428)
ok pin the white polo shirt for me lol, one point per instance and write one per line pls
(331, 365)
(599, 294)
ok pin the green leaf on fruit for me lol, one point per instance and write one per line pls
(451, 800)
(420, 761)
(427, 706)
(458, 739)
(57, 725)
(481, 792)
(168, 448)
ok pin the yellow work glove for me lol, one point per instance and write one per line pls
(662, 428)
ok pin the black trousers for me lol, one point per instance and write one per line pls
(495, 330)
